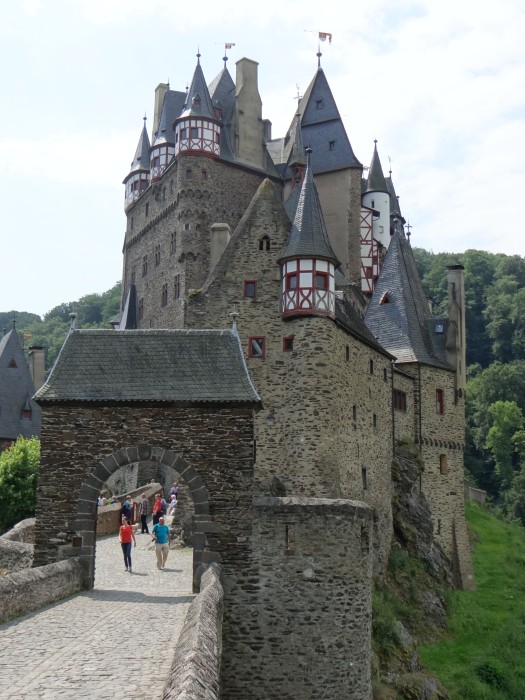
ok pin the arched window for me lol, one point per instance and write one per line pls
(264, 243)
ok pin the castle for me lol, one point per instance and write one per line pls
(308, 259)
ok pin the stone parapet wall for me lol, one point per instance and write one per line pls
(15, 555)
(24, 591)
(297, 618)
(473, 494)
(194, 673)
(24, 531)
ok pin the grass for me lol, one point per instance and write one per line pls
(483, 656)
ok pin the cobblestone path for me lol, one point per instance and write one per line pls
(115, 642)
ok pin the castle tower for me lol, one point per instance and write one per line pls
(163, 148)
(137, 180)
(308, 262)
(198, 130)
(377, 197)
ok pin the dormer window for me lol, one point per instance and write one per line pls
(26, 414)
(385, 299)
(319, 104)
(12, 364)
(331, 145)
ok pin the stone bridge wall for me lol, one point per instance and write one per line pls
(24, 591)
(197, 660)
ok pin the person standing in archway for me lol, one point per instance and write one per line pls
(161, 533)
(143, 512)
(157, 509)
(126, 537)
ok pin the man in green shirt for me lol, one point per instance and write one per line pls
(161, 533)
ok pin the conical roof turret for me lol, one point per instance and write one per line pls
(376, 180)
(308, 237)
(198, 101)
(141, 159)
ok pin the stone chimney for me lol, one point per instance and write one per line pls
(37, 367)
(248, 125)
(160, 92)
(220, 237)
(456, 342)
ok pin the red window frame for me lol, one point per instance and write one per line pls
(251, 348)
(246, 289)
(323, 277)
(440, 402)
(288, 343)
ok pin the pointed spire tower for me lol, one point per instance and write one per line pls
(377, 197)
(137, 180)
(163, 148)
(198, 129)
(308, 262)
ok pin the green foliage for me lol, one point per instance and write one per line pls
(482, 657)
(18, 477)
(507, 423)
(93, 311)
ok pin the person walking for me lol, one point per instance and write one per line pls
(143, 512)
(126, 537)
(160, 534)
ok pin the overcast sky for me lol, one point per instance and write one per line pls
(441, 85)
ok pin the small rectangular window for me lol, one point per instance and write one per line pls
(385, 374)
(374, 420)
(194, 132)
(319, 104)
(173, 243)
(364, 478)
(440, 407)
(371, 367)
(187, 227)
(164, 298)
(145, 266)
(147, 209)
(140, 309)
(331, 145)
(176, 291)
(354, 412)
(399, 400)
(204, 174)
(189, 173)
(288, 343)
(250, 289)
(157, 255)
(347, 352)
(257, 347)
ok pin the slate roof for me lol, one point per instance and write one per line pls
(376, 180)
(16, 388)
(404, 324)
(347, 316)
(308, 237)
(320, 123)
(222, 92)
(141, 160)
(198, 101)
(150, 365)
(395, 209)
(171, 109)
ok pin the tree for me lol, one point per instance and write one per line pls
(501, 439)
(18, 477)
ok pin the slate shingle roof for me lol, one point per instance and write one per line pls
(150, 365)
(320, 123)
(308, 237)
(198, 102)
(141, 160)
(376, 180)
(404, 324)
(171, 109)
(16, 387)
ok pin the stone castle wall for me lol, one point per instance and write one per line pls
(301, 448)
(170, 224)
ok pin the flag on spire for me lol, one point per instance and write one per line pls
(228, 46)
(323, 36)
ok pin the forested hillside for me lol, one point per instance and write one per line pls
(495, 297)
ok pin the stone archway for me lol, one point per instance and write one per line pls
(210, 446)
(84, 523)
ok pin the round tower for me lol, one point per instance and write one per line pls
(308, 262)
(198, 129)
(377, 197)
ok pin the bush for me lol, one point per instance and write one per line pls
(18, 477)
